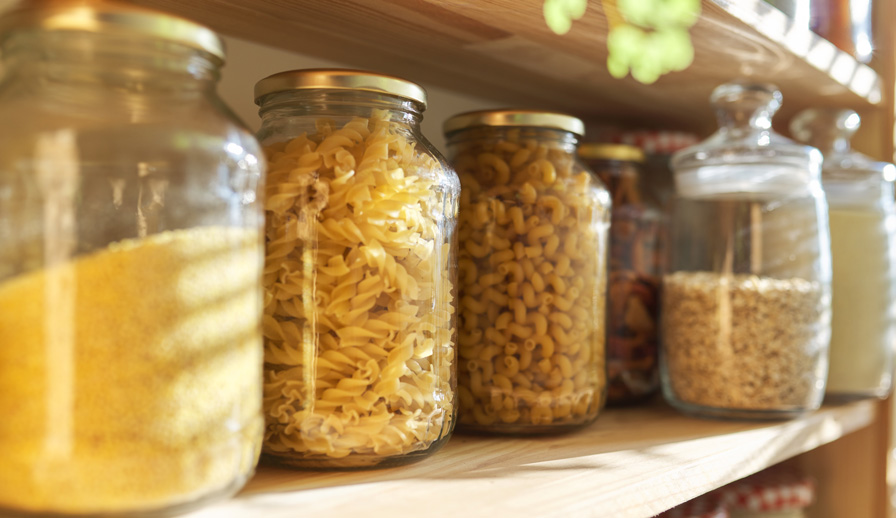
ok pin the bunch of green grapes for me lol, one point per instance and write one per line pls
(653, 40)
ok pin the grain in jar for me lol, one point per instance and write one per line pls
(533, 226)
(130, 266)
(359, 315)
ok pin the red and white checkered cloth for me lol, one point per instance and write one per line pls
(656, 142)
(770, 490)
(707, 506)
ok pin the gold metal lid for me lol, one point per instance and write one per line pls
(339, 79)
(621, 152)
(102, 16)
(532, 118)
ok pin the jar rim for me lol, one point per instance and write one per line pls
(112, 18)
(514, 117)
(339, 79)
(609, 151)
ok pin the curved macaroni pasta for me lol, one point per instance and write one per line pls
(532, 283)
(358, 316)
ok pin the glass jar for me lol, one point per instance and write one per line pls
(746, 302)
(130, 293)
(634, 274)
(533, 228)
(862, 222)
(360, 274)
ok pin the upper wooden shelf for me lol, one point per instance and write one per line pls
(502, 50)
(632, 462)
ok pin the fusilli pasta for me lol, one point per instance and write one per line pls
(358, 317)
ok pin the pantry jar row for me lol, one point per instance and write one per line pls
(182, 295)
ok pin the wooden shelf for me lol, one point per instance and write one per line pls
(630, 463)
(502, 50)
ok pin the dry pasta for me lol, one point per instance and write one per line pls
(533, 229)
(358, 317)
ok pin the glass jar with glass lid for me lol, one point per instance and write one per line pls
(359, 316)
(532, 262)
(859, 191)
(130, 266)
(746, 300)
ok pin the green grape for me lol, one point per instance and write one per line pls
(674, 44)
(559, 14)
(575, 8)
(638, 12)
(648, 66)
(617, 67)
(684, 12)
(625, 42)
(556, 17)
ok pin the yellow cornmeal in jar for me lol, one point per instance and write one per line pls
(130, 378)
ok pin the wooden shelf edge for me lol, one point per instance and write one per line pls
(630, 463)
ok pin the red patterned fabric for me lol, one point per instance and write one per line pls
(657, 142)
(703, 507)
(770, 490)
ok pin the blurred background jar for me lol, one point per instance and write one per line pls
(359, 316)
(845, 23)
(746, 300)
(860, 194)
(634, 273)
(130, 295)
(532, 263)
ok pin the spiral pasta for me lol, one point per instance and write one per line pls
(358, 317)
(532, 279)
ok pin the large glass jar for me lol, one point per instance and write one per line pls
(130, 266)
(359, 316)
(533, 231)
(862, 221)
(634, 274)
(746, 301)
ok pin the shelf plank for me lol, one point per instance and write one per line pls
(502, 50)
(632, 462)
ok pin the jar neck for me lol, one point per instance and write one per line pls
(109, 64)
(322, 103)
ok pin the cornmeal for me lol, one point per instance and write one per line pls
(130, 378)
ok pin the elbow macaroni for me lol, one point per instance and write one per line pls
(358, 315)
(540, 359)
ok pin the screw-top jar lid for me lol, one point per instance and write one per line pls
(339, 79)
(111, 18)
(529, 118)
(620, 152)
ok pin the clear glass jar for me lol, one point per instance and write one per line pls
(130, 293)
(533, 226)
(746, 302)
(360, 272)
(634, 274)
(862, 222)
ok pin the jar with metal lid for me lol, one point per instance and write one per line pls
(359, 315)
(130, 266)
(746, 301)
(533, 228)
(859, 191)
(634, 274)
